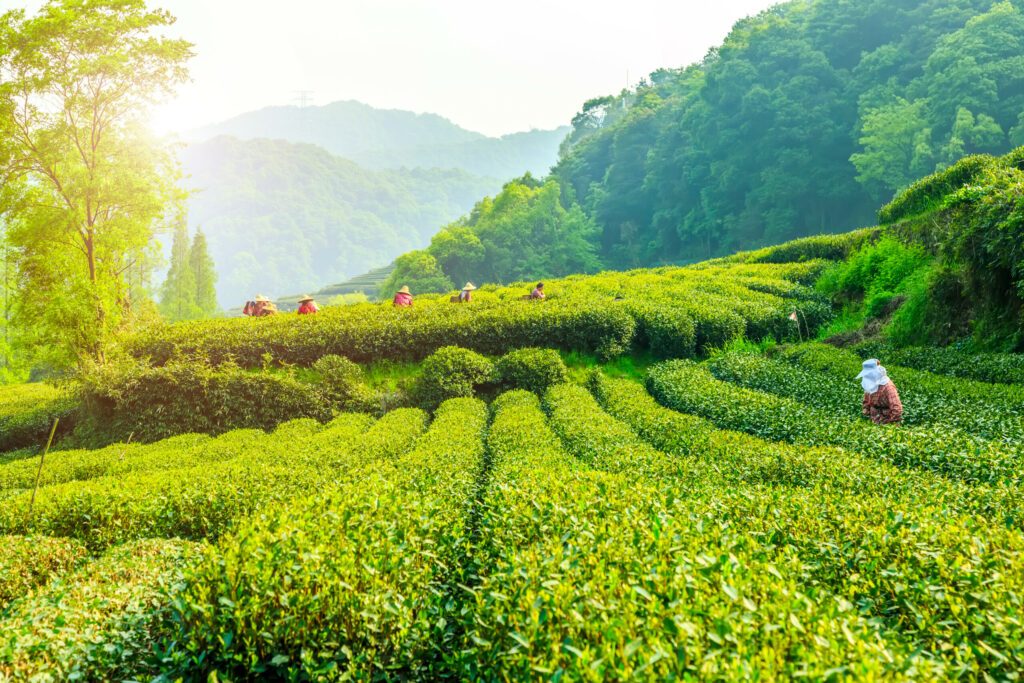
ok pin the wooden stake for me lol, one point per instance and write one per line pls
(39, 473)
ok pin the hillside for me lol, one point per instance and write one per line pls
(349, 519)
(386, 139)
(283, 217)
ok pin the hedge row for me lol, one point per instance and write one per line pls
(678, 310)
(987, 410)
(27, 412)
(99, 624)
(982, 367)
(824, 247)
(929, 554)
(205, 500)
(927, 194)
(736, 457)
(352, 584)
(689, 388)
(595, 576)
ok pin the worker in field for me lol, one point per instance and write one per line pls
(307, 306)
(403, 299)
(260, 307)
(538, 292)
(881, 400)
(466, 295)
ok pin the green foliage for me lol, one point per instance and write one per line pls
(875, 274)
(350, 299)
(954, 362)
(178, 293)
(928, 193)
(100, 623)
(30, 561)
(344, 383)
(85, 185)
(418, 270)
(531, 369)
(684, 386)
(362, 576)
(185, 396)
(27, 412)
(204, 274)
(451, 372)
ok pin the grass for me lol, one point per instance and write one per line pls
(625, 367)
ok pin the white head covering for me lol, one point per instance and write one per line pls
(872, 376)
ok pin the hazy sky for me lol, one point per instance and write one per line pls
(494, 67)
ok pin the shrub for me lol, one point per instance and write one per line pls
(824, 247)
(451, 372)
(982, 367)
(532, 369)
(152, 403)
(29, 561)
(99, 624)
(928, 193)
(27, 412)
(344, 384)
(686, 387)
(354, 583)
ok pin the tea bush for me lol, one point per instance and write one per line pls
(982, 367)
(29, 561)
(349, 584)
(451, 372)
(344, 385)
(689, 388)
(27, 412)
(531, 369)
(99, 624)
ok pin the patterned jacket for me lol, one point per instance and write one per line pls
(884, 406)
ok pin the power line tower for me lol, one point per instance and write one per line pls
(303, 97)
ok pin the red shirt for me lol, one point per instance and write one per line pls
(884, 406)
(402, 299)
(307, 307)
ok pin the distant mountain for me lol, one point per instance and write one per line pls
(379, 138)
(284, 217)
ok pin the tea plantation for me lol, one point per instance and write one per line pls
(656, 509)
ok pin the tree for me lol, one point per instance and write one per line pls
(459, 253)
(420, 271)
(178, 293)
(204, 274)
(896, 143)
(85, 185)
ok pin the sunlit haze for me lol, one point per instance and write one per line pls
(488, 66)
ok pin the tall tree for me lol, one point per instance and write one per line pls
(86, 185)
(178, 293)
(204, 275)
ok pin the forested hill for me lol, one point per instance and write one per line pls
(379, 138)
(283, 217)
(806, 120)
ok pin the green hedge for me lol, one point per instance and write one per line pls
(689, 388)
(823, 247)
(531, 369)
(1005, 368)
(204, 500)
(928, 193)
(99, 624)
(824, 376)
(450, 372)
(27, 412)
(355, 583)
(737, 457)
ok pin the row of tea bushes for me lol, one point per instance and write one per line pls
(204, 499)
(594, 575)
(598, 314)
(690, 388)
(1005, 368)
(27, 412)
(993, 411)
(930, 553)
(352, 584)
(99, 623)
(737, 457)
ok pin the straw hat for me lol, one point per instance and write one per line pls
(404, 290)
(260, 299)
(305, 298)
(469, 287)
